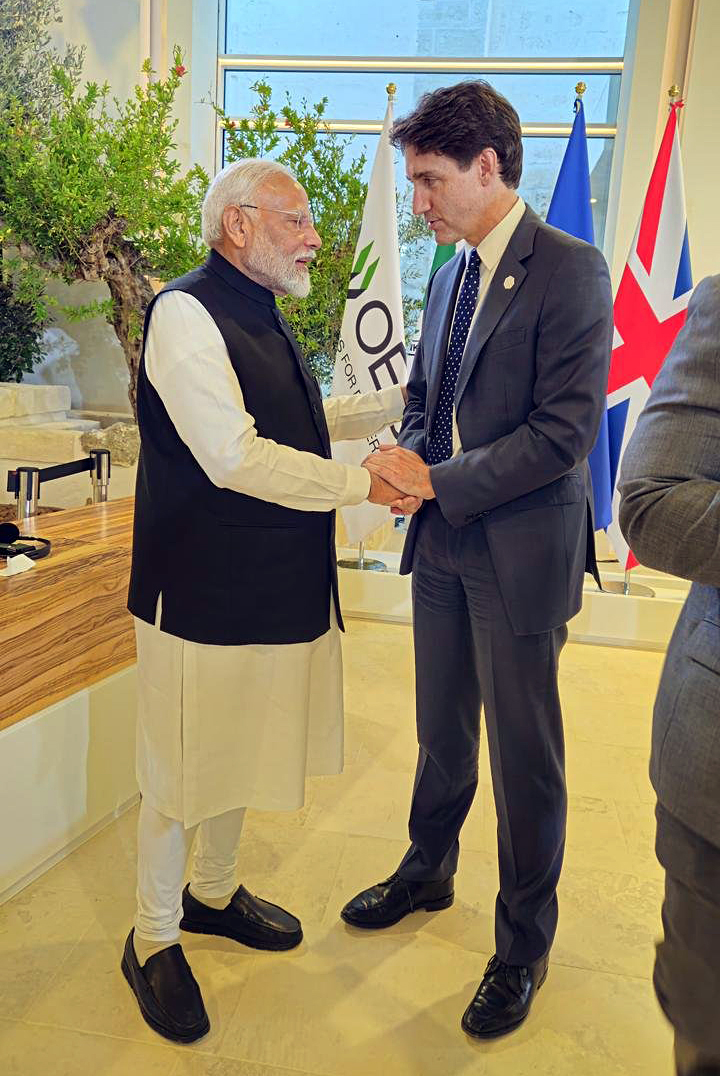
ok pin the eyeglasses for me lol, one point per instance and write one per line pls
(302, 221)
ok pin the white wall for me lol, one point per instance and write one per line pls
(700, 142)
(65, 772)
(662, 51)
(636, 143)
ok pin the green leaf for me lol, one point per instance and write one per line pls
(362, 258)
(369, 275)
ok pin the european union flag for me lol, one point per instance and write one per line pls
(570, 210)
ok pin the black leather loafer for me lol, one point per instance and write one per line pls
(503, 998)
(247, 919)
(390, 901)
(167, 993)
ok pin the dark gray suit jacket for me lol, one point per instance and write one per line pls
(529, 398)
(670, 515)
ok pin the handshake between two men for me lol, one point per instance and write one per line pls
(399, 478)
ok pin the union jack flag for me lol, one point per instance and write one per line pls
(650, 307)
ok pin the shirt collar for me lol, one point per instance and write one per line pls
(492, 247)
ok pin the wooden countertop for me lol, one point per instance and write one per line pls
(64, 624)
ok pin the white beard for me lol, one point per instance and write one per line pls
(277, 271)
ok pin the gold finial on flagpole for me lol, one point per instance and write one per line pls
(580, 89)
(391, 90)
(674, 92)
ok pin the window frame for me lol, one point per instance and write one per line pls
(484, 66)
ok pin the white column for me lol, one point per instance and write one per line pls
(153, 34)
(655, 58)
(208, 26)
(700, 143)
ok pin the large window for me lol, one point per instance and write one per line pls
(432, 28)
(528, 51)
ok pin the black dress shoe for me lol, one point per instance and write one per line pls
(503, 998)
(167, 993)
(390, 901)
(247, 919)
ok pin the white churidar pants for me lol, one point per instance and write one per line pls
(163, 847)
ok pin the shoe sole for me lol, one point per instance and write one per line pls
(427, 906)
(172, 1036)
(279, 946)
(504, 1030)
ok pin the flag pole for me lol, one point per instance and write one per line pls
(626, 588)
(363, 563)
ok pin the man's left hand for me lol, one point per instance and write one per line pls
(406, 506)
(403, 469)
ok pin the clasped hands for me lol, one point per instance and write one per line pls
(399, 478)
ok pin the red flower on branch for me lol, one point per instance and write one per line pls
(180, 69)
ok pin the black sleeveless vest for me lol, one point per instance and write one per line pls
(233, 569)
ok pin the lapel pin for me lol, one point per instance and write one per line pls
(509, 282)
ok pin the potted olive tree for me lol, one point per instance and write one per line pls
(27, 81)
(94, 193)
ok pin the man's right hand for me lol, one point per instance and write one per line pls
(381, 492)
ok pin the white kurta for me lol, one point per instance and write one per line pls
(221, 727)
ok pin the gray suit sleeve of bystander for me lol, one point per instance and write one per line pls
(670, 475)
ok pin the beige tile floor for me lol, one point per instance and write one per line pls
(345, 1004)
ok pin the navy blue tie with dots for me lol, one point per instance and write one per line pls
(441, 446)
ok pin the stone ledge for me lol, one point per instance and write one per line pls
(41, 419)
(56, 420)
(54, 443)
(17, 400)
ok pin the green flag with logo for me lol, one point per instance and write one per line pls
(443, 253)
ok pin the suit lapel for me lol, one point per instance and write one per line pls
(495, 304)
(500, 295)
(436, 330)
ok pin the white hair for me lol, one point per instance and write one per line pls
(236, 184)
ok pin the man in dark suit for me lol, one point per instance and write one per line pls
(670, 515)
(504, 403)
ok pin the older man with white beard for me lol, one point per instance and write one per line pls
(234, 583)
